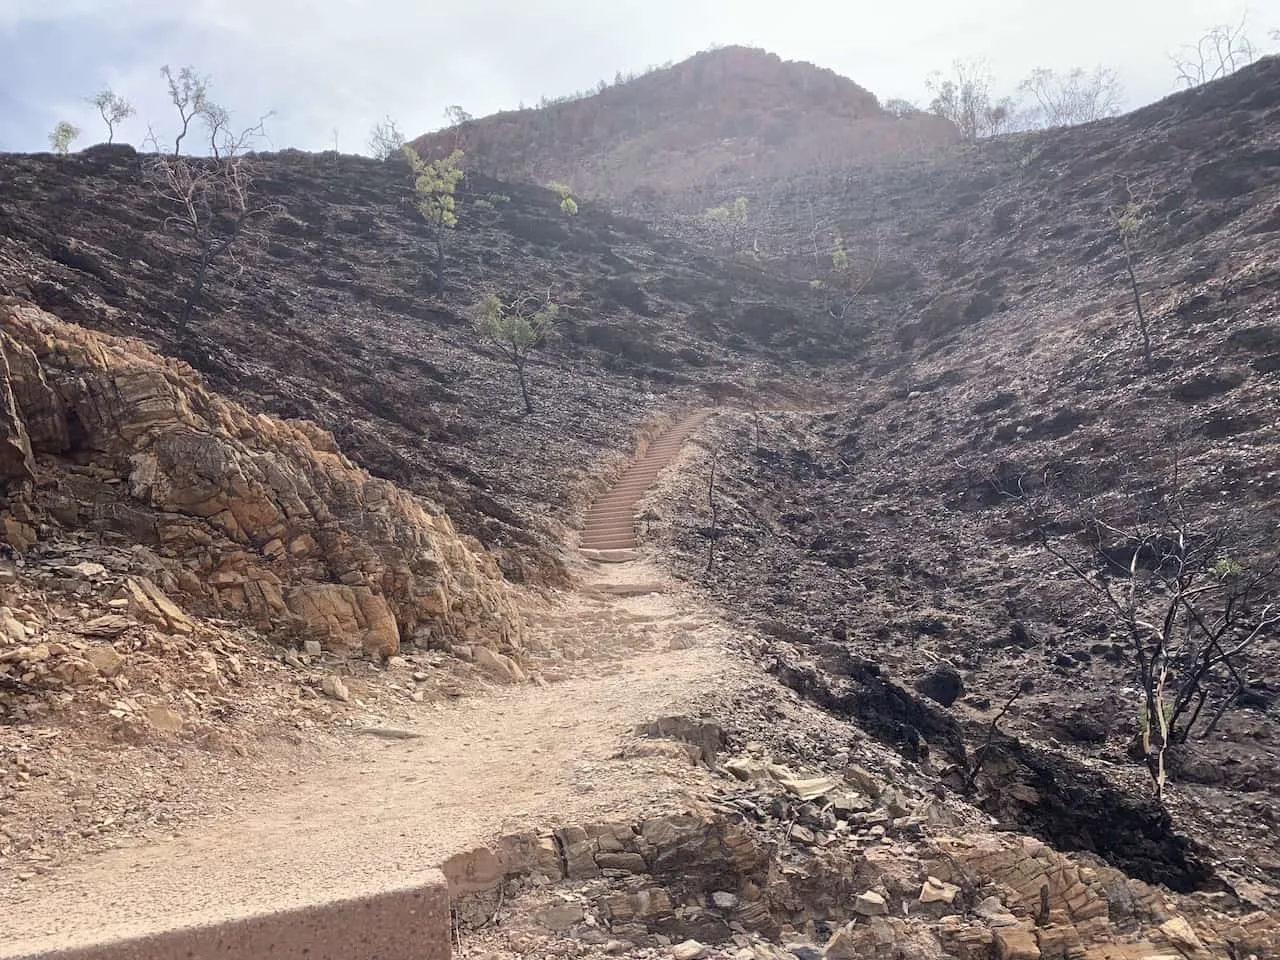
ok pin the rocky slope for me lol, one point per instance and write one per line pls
(861, 542)
(258, 519)
(673, 137)
(1001, 349)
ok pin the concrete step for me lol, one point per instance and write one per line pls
(608, 529)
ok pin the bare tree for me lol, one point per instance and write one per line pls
(1024, 686)
(1189, 612)
(1078, 96)
(900, 107)
(1222, 51)
(224, 140)
(113, 110)
(385, 140)
(965, 98)
(213, 207)
(188, 92)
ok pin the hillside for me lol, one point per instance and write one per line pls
(323, 508)
(674, 136)
(335, 318)
(1001, 356)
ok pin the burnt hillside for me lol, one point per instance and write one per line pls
(336, 317)
(673, 137)
(1002, 351)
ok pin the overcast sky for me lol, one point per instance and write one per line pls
(344, 64)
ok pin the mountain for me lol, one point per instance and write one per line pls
(874, 424)
(734, 113)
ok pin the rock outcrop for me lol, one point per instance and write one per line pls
(264, 519)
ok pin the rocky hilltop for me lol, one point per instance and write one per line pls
(675, 135)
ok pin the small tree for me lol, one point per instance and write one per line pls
(457, 120)
(1064, 99)
(516, 329)
(900, 107)
(1189, 613)
(1128, 222)
(188, 92)
(729, 223)
(385, 140)
(214, 207)
(113, 109)
(846, 283)
(1219, 53)
(568, 206)
(435, 182)
(62, 136)
(965, 99)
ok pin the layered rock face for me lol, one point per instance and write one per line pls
(266, 519)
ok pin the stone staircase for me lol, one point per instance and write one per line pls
(608, 531)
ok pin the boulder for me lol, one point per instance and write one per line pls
(942, 684)
(870, 904)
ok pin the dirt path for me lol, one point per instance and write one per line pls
(628, 648)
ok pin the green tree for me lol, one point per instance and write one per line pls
(61, 137)
(436, 182)
(729, 222)
(189, 93)
(113, 109)
(515, 329)
(568, 205)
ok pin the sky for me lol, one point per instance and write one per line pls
(330, 69)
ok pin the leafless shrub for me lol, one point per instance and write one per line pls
(975, 768)
(385, 140)
(965, 98)
(899, 107)
(1166, 579)
(213, 205)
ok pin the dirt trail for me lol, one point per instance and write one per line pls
(628, 648)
